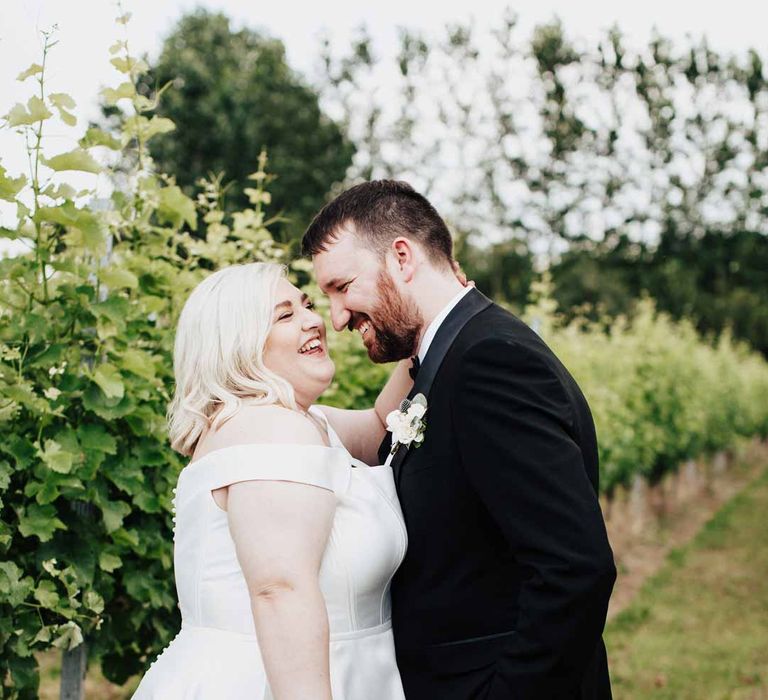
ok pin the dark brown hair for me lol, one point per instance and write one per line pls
(382, 210)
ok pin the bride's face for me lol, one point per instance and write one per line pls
(296, 345)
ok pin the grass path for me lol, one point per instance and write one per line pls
(698, 630)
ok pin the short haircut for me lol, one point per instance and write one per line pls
(380, 211)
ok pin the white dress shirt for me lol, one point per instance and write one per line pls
(429, 334)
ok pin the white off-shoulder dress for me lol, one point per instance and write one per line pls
(216, 655)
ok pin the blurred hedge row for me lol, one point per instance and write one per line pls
(659, 392)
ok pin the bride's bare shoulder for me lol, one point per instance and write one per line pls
(261, 424)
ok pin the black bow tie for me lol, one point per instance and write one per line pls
(415, 365)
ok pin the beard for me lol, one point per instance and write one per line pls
(397, 325)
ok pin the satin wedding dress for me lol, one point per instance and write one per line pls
(216, 656)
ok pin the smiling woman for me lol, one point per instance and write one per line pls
(268, 498)
(298, 329)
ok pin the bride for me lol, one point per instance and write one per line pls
(285, 539)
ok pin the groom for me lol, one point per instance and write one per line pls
(504, 589)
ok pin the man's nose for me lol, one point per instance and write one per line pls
(339, 316)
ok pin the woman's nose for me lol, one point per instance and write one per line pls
(312, 319)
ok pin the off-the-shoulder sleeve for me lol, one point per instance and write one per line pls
(317, 465)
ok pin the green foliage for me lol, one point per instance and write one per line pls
(86, 331)
(504, 271)
(232, 94)
(719, 281)
(659, 393)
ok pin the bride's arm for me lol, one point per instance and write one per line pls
(280, 530)
(362, 431)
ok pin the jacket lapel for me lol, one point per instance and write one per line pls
(471, 304)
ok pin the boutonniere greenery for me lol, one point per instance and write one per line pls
(407, 423)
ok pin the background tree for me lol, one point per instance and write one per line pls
(233, 94)
(625, 171)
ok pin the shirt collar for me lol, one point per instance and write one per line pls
(429, 334)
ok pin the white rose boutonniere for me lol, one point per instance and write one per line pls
(407, 424)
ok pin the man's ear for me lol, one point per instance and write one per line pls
(406, 257)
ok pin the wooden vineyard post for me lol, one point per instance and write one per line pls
(73, 665)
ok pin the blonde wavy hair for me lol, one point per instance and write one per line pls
(219, 350)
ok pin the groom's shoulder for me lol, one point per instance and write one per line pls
(496, 336)
(495, 324)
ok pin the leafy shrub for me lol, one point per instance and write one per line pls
(86, 332)
(660, 394)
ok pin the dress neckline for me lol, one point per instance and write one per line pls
(258, 444)
(334, 438)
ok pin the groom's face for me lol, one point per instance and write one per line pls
(366, 298)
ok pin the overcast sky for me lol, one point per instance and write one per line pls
(79, 64)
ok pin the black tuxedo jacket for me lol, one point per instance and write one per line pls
(504, 589)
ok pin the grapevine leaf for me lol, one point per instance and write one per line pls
(148, 502)
(126, 538)
(63, 102)
(10, 186)
(22, 211)
(113, 514)
(109, 562)
(129, 65)
(114, 308)
(93, 601)
(39, 521)
(110, 381)
(14, 586)
(62, 99)
(124, 91)
(89, 224)
(98, 137)
(95, 437)
(104, 407)
(60, 191)
(46, 594)
(5, 474)
(128, 478)
(35, 111)
(70, 637)
(119, 278)
(24, 671)
(67, 117)
(43, 636)
(56, 457)
(139, 363)
(48, 491)
(175, 207)
(34, 69)
(138, 126)
(77, 159)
